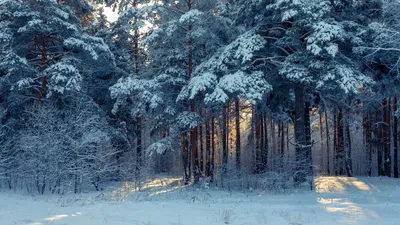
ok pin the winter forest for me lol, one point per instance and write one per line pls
(236, 96)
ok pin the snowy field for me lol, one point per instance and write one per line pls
(362, 201)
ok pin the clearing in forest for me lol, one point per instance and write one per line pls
(163, 201)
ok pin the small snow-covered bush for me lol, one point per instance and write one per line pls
(227, 216)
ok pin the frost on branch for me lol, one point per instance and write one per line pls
(323, 38)
(350, 79)
(93, 45)
(290, 9)
(188, 120)
(250, 86)
(197, 85)
(241, 51)
(139, 89)
(295, 72)
(191, 16)
(160, 146)
(63, 77)
(244, 47)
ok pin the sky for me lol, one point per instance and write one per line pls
(111, 16)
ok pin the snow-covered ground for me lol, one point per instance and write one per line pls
(362, 201)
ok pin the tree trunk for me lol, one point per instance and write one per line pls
(193, 149)
(208, 149)
(138, 146)
(386, 137)
(262, 123)
(302, 132)
(201, 157)
(347, 143)
(273, 143)
(185, 158)
(193, 131)
(379, 142)
(321, 150)
(395, 140)
(264, 154)
(334, 163)
(138, 118)
(282, 144)
(328, 166)
(238, 141)
(340, 151)
(367, 123)
(224, 142)
(257, 143)
(212, 163)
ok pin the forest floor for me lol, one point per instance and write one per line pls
(335, 200)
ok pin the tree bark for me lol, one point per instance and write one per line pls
(321, 131)
(212, 163)
(201, 157)
(282, 144)
(367, 122)
(185, 158)
(302, 133)
(379, 142)
(386, 137)
(349, 169)
(264, 154)
(334, 163)
(257, 143)
(208, 149)
(395, 140)
(262, 123)
(238, 141)
(327, 145)
(224, 140)
(138, 146)
(340, 151)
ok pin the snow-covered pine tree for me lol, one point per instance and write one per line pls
(186, 34)
(47, 57)
(313, 43)
(46, 51)
(136, 19)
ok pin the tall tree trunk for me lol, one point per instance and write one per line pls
(212, 163)
(193, 149)
(395, 140)
(287, 141)
(335, 144)
(185, 158)
(273, 144)
(379, 142)
(238, 141)
(321, 150)
(328, 166)
(367, 123)
(386, 137)
(340, 151)
(193, 131)
(282, 150)
(224, 140)
(208, 149)
(138, 117)
(302, 132)
(347, 143)
(257, 143)
(201, 157)
(263, 123)
(265, 151)
(138, 146)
